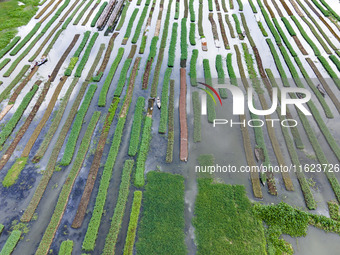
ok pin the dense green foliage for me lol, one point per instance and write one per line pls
(177, 10)
(117, 218)
(81, 14)
(66, 248)
(230, 69)
(1, 228)
(284, 38)
(143, 44)
(100, 11)
(11, 242)
(130, 25)
(63, 198)
(131, 233)
(86, 56)
(197, 116)
(162, 221)
(171, 124)
(184, 44)
(232, 220)
(192, 34)
(336, 61)
(288, 26)
(172, 47)
(333, 208)
(237, 24)
(252, 6)
(123, 16)
(192, 11)
(210, 102)
(335, 15)
(108, 80)
(9, 46)
(324, 12)
(165, 98)
(200, 20)
(269, 23)
(153, 48)
(23, 42)
(11, 124)
(77, 125)
(221, 76)
(139, 25)
(330, 71)
(136, 126)
(192, 73)
(143, 152)
(263, 30)
(210, 5)
(122, 77)
(4, 63)
(240, 5)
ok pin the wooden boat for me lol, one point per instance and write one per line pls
(263, 178)
(158, 102)
(321, 90)
(42, 61)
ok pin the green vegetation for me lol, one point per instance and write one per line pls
(122, 77)
(336, 61)
(192, 34)
(210, 102)
(77, 125)
(153, 48)
(9, 46)
(13, 16)
(11, 242)
(234, 221)
(330, 71)
(284, 38)
(335, 15)
(240, 5)
(162, 224)
(210, 5)
(76, 55)
(66, 248)
(306, 37)
(238, 26)
(63, 198)
(130, 25)
(333, 208)
(200, 21)
(177, 10)
(131, 234)
(11, 124)
(197, 116)
(116, 222)
(184, 44)
(1, 228)
(192, 73)
(136, 126)
(269, 23)
(143, 44)
(143, 152)
(108, 80)
(172, 47)
(288, 26)
(13, 173)
(252, 6)
(23, 42)
(263, 30)
(139, 25)
(100, 11)
(165, 97)
(122, 16)
(221, 76)
(81, 14)
(192, 11)
(86, 56)
(171, 124)
(324, 12)
(4, 63)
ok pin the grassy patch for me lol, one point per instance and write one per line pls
(193, 62)
(165, 97)
(192, 39)
(162, 221)
(172, 47)
(232, 228)
(66, 248)
(184, 44)
(98, 14)
(140, 24)
(136, 126)
(197, 116)
(11, 242)
(130, 25)
(171, 124)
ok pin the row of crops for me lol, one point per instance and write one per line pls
(100, 130)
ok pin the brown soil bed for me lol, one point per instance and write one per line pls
(63, 58)
(51, 11)
(297, 9)
(223, 33)
(89, 14)
(285, 6)
(25, 126)
(217, 6)
(299, 44)
(107, 54)
(213, 26)
(147, 74)
(324, 84)
(277, 8)
(271, 13)
(91, 178)
(183, 117)
(38, 16)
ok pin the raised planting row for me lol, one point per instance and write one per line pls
(130, 25)
(200, 20)
(98, 14)
(172, 47)
(82, 207)
(143, 152)
(23, 42)
(192, 11)
(184, 44)
(177, 9)
(76, 55)
(77, 125)
(333, 208)
(117, 218)
(9, 46)
(136, 126)
(152, 54)
(140, 24)
(11, 124)
(210, 5)
(4, 63)
(308, 196)
(234, 221)
(196, 103)
(86, 55)
(66, 248)
(183, 122)
(90, 13)
(11, 242)
(240, 5)
(162, 224)
(192, 31)
(263, 30)
(163, 123)
(330, 71)
(329, 8)
(220, 74)
(211, 113)
(122, 16)
(238, 27)
(108, 80)
(133, 222)
(82, 12)
(193, 62)
(223, 33)
(171, 124)
(64, 195)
